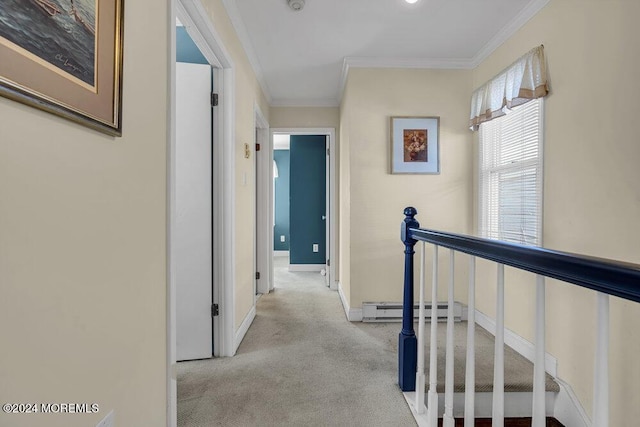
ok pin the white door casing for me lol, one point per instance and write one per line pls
(331, 192)
(194, 17)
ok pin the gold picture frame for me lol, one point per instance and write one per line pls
(65, 57)
(415, 145)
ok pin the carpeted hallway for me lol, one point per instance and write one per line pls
(301, 364)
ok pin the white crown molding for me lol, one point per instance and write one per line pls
(377, 62)
(503, 35)
(381, 62)
(508, 30)
(311, 102)
(243, 35)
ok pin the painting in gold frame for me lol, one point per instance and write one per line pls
(64, 57)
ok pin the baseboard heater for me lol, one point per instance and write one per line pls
(392, 312)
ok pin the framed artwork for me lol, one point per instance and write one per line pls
(415, 145)
(64, 57)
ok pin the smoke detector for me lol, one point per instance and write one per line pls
(296, 5)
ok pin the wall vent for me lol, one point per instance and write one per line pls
(392, 312)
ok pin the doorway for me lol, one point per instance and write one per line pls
(195, 20)
(314, 213)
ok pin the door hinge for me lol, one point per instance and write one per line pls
(257, 275)
(214, 99)
(328, 263)
(215, 310)
(327, 151)
(257, 147)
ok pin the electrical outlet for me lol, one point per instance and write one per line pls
(107, 421)
(282, 238)
(315, 247)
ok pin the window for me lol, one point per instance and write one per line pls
(510, 193)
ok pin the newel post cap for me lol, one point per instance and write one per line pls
(409, 222)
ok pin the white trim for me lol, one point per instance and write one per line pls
(172, 383)
(263, 229)
(281, 141)
(195, 19)
(243, 35)
(517, 404)
(568, 409)
(199, 26)
(441, 63)
(375, 62)
(353, 314)
(280, 253)
(225, 243)
(306, 267)
(530, 10)
(244, 327)
(516, 342)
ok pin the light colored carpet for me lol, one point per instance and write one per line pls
(301, 364)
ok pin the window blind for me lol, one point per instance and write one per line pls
(510, 181)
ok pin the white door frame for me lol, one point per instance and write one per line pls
(264, 205)
(331, 134)
(197, 23)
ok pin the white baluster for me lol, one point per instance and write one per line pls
(498, 363)
(432, 406)
(448, 420)
(539, 410)
(601, 377)
(420, 370)
(470, 376)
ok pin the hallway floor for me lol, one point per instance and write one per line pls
(301, 364)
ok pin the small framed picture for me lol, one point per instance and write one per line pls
(415, 145)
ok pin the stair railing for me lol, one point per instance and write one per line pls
(606, 277)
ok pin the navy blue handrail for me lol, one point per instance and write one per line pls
(603, 275)
(612, 277)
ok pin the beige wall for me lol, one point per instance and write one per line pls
(304, 117)
(591, 192)
(247, 94)
(375, 198)
(82, 248)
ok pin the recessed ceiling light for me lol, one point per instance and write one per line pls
(411, 1)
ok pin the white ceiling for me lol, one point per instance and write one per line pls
(301, 58)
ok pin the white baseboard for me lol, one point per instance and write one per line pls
(307, 267)
(568, 409)
(280, 253)
(519, 344)
(353, 314)
(516, 405)
(244, 327)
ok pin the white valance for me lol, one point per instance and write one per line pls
(522, 81)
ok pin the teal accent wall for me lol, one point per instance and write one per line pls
(281, 189)
(186, 49)
(307, 199)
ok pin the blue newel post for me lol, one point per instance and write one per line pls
(407, 343)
